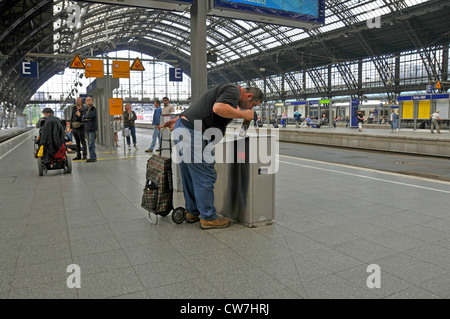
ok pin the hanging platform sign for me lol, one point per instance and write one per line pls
(115, 106)
(93, 68)
(137, 65)
(77, 63)
(121, 69)
(29, 69)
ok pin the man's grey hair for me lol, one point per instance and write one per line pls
(258, 95)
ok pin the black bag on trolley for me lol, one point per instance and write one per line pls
(158, 191)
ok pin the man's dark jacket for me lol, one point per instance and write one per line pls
(90, 119)
(51, 136)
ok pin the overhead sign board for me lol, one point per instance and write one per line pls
(121, 69)
(295, 13)
(115, 106)
(175, 74)
(76, 63)
(137, 65)
(177, 5)
(29, 69)
(93, 68)
(294, 103)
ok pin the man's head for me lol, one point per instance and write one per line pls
(165, 100)
(89, 102)
(79, 102)
(250, 97)
(47, 111)
(157, 103)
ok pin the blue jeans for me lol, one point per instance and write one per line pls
(91, 145)
(132, 133)
(156, 136)
(198, 176)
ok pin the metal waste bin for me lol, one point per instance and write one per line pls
(245, 186)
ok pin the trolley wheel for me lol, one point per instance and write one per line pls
(178, 215)
(164, 214)
(40, 166)
(68, 164)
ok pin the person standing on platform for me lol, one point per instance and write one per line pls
(298, 118)
(156, 129)
(393, 120)
(91, 127)
(117, 127)
(168, 108)
(214, 109)
(360, 120)
(435, 122)
(129, 117)
(284, 118)
(77, 125)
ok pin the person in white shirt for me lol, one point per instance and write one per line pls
(434, 122)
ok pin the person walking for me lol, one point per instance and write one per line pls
(214, 109)
(360, 120)
(156, 126)
(129, 117)
(435, 122)
(91, 127)
(77, 125)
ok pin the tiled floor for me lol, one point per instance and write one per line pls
(331, 223)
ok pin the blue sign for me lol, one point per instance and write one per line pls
(315, 103)
(354, 113)
(175, 74)
(429, 89)
(294, 103)
(29, 69)
(440, 96)
(421, 97)
(310, 11)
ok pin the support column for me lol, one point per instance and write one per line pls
(199, 82)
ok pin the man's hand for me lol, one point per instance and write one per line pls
(170, 123)
(248, 115)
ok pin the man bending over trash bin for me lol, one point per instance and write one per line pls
(214, 109)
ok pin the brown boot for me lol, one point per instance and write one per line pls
(219, 222)
(191, 218)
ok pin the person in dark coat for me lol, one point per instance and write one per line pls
(77, 126)
(51, 135)
(91, 127)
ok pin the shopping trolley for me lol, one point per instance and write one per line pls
(158, 192)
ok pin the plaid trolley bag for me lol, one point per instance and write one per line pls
(158, 190)
(157, 197)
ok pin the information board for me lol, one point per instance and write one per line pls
(296, 13)
(443, 106)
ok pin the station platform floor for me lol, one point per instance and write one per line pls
(332, 222)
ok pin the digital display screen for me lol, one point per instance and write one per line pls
(312, 11)
(306, 7)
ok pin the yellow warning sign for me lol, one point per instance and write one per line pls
(76, 63)
(93, 68)
(115, 106)
(121, 69)
(438, 85)
(137, 65)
